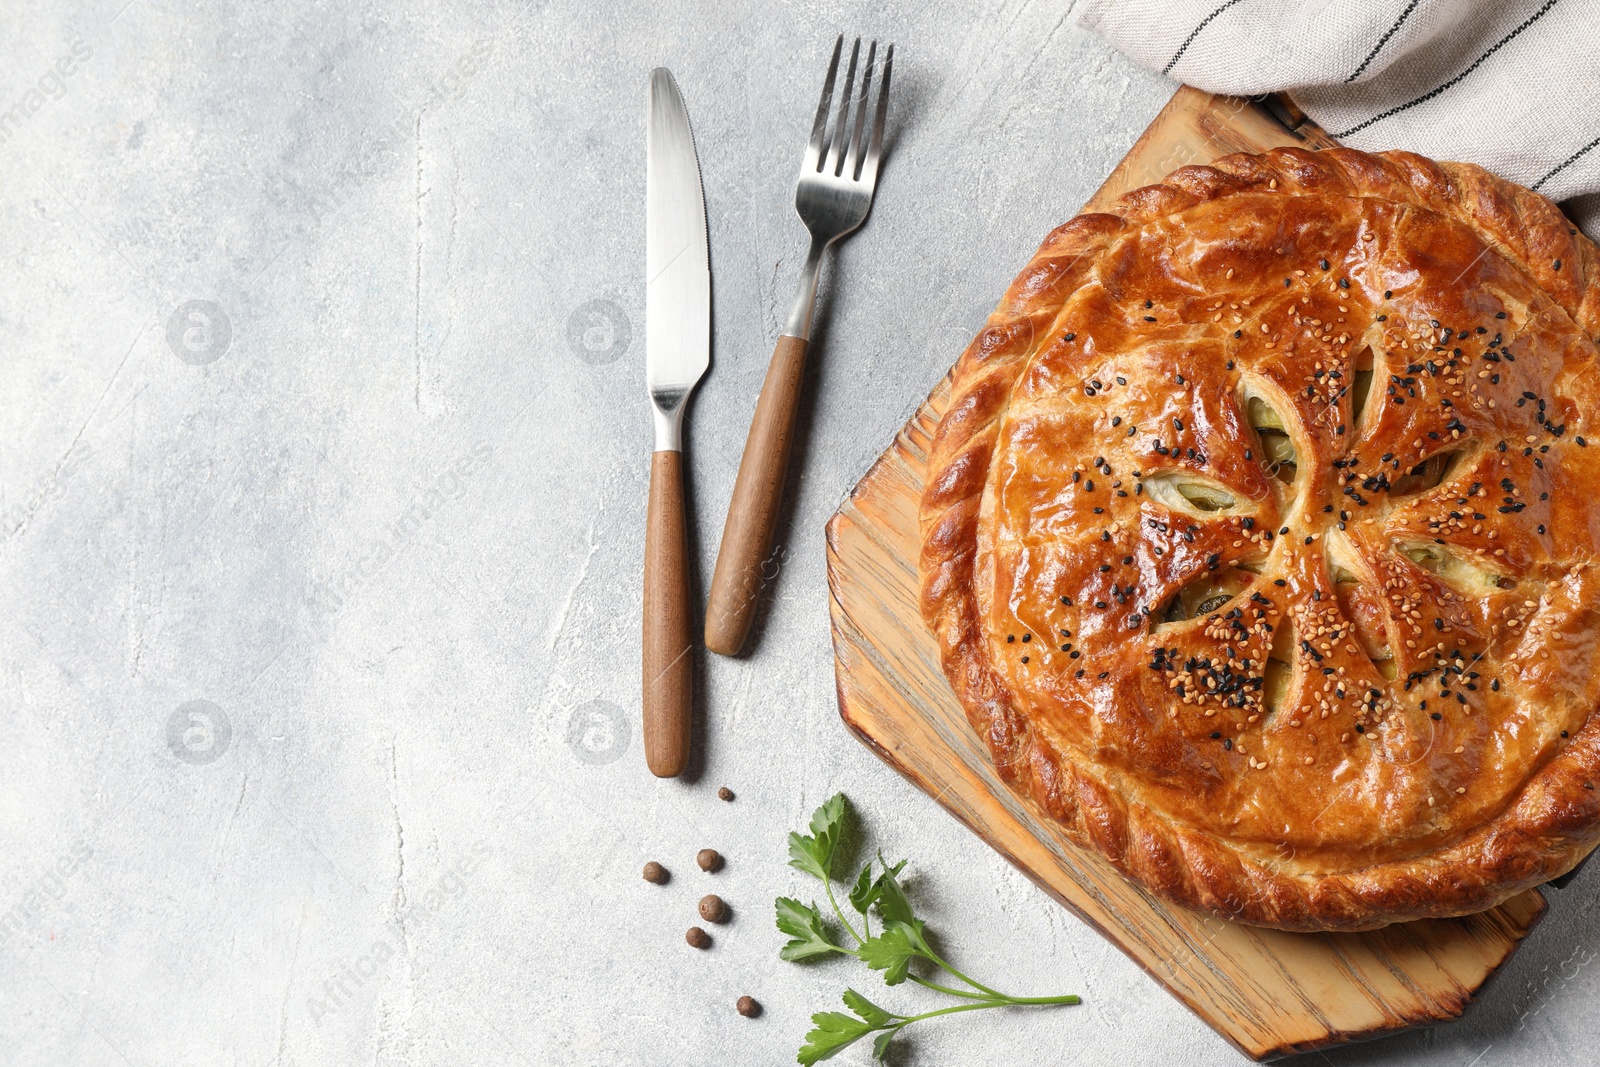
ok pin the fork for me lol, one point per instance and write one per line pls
(833, 195)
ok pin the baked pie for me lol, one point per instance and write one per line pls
(1260, 537)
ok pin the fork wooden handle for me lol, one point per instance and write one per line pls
(668, 666)
(753, 511)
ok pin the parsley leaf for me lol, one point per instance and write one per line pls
(813, 853)
(865, 1008)
(804, 924)
(867, 889)
(834, 1031)
(893, 950)
(864, 892)
(892, 902)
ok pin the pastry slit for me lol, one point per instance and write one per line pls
(1361, 384)
(1190, 493)
(1455, 568)
(1206, 595)
(1348, 577)
(1279, 671)
(1426, 475)
(1277, 447)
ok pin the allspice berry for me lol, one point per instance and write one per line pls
(749, 1007)
(656, 874)
(697, 937)
(713, 909)
(726, 794)
(709, 859)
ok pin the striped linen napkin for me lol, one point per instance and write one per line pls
(1513, 86)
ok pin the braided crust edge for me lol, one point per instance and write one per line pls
(1552, 824)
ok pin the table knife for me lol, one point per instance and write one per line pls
(677, 353)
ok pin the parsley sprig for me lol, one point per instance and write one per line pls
(900, 940)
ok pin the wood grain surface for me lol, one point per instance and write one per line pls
(1268, 992)
(757, 493)
(667, 638)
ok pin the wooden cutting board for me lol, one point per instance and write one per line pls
(1270, 993)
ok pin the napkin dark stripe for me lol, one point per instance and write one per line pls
(1564, 164)
(1383, 40)
(1184, 47)
(1502, 42)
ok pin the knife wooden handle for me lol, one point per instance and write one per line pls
(753, 512)
(668, 677)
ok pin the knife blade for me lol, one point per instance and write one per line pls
(677, 353)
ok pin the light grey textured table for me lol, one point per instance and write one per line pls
(323, 449)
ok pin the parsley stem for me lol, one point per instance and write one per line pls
(985, 1002)
(996, 998)
(966, 1007)
(947, 989)
(975, 985)
(952, 1011)
(827, 885)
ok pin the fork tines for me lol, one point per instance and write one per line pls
(840, 152)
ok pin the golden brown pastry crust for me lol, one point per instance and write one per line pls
(1110, 450)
